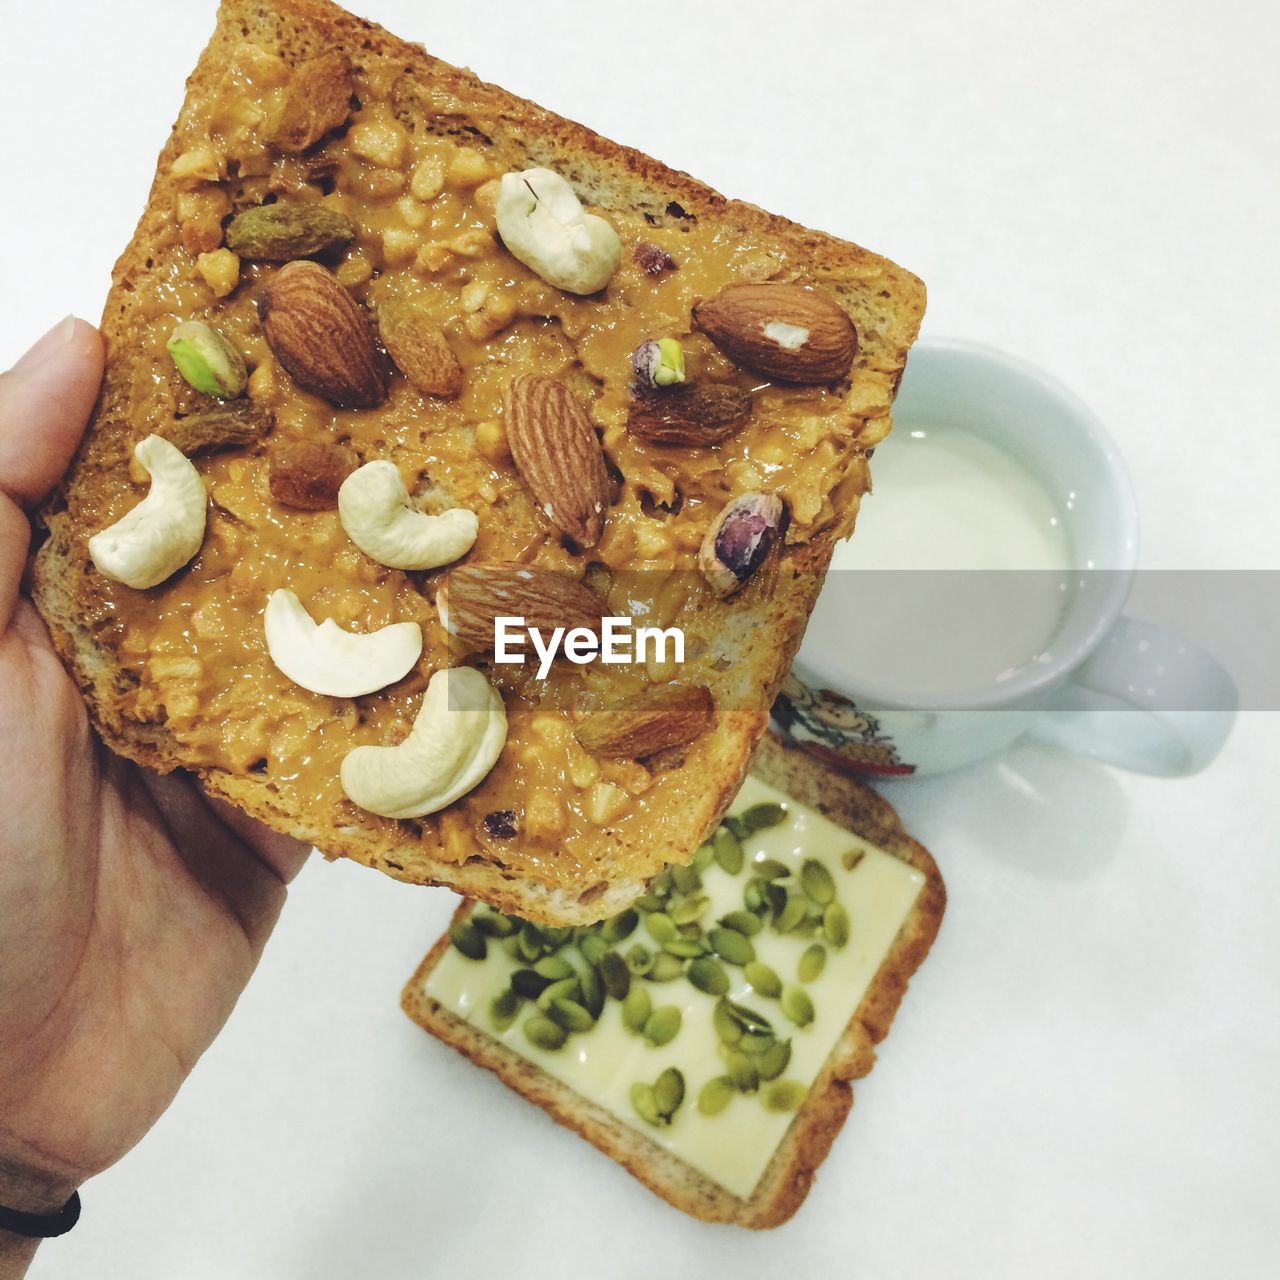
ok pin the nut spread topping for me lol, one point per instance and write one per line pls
(512, 385)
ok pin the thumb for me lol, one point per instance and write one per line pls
(45, 401)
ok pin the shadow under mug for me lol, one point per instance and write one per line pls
(1107, 686)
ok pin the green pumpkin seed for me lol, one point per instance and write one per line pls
(661, 884)
(784, 1095)
(544, 1033)
(660, 926)
(615, 975)
(764, 981)
(749, 1019)
(531, 942)
(665, 968)
(570, 1015)
(592, 993)
(662, 1025)
(727, 849)
(646, 1105)
(753, 896)
(468, 939)
(835, 924)
(770, 869)
(555, 968)
(566, 988)
(816, 881)
(636, 1007)
(760, 817)
(557, 935)
(685, 948)
(511, 945)
(704, 857)
(792, 914)
(754, 1043)
(727, 1027)
(776, 898)
(797, 1006)
(690, 909)
(621, 926)
(493, 924)
(528, 984)
(668, 1092)
(650, 902)
(715, 1095)
(639, 960)
(852, 858)
(592, 946)
(742, 1071)
(503, 1009)
(812, 963)
(774, 1060)
(734, 826)
(731, 945)
(746, 923)
(708, 975)
(686, 879)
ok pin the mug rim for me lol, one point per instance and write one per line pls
(1035, 678)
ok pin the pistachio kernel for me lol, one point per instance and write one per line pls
(207, 360)
(658, 363)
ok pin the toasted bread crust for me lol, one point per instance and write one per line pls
(790, 1173)
(608, 175)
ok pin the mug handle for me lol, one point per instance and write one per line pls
(1147, 700)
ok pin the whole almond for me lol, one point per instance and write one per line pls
(320, 337)
(418, 346)
(308, 474)
(690, 414)
(555, 448)
(473, 595)
(787, 332)
(649, 723)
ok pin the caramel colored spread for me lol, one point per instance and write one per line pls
(424, 209)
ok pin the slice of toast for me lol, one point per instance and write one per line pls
(804, 1144)
(298, 105)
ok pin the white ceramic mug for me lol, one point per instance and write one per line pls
(1108, 686)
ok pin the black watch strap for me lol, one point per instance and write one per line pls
(42, 1226)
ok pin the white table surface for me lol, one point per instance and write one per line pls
(1082, 1079)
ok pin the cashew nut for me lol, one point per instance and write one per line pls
(326, 659)
(542, 222)
(456, 739)
(374, 508)
(163, 532)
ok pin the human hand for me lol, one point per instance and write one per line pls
(132, 908)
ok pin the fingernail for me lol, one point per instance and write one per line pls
(49, 346)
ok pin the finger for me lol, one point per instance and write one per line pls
(45, 400)
(283, 854)
(214, 854)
